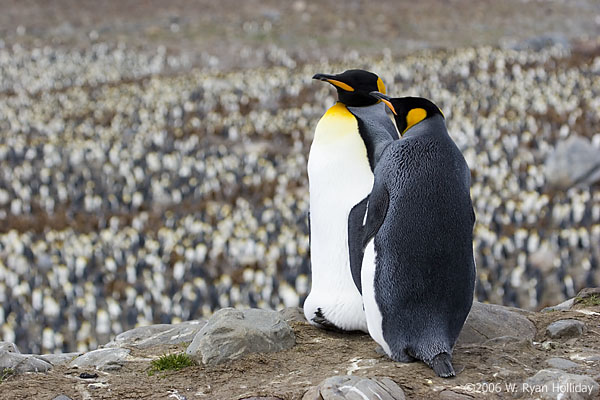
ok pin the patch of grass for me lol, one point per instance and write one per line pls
(593, 300)
(5, 373)
(173, 362)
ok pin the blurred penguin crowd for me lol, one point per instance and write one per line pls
(130, 196)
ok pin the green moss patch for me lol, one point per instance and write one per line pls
(589, 301)
(173, 362)
(5, 373)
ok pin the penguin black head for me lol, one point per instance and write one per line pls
(409, 111)
(353, 86)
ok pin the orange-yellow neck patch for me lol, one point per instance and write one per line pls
(338, 110)
(380, 86)
(414, 116)
(336, 124)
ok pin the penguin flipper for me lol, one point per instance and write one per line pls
(378, 203)
(355, 236)
(442, 365)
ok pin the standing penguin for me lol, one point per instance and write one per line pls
(419, 230)
(340, 174)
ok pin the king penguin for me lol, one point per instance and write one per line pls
(418, 228)
(340, 174)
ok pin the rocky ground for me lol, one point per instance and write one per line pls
(502, 353)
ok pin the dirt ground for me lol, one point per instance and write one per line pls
(318, 355)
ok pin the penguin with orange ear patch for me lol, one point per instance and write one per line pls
(419, 230)
(340, 175)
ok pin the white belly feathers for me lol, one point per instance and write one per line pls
(339, 177)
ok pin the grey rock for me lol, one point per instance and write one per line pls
(350, 387)
(556, 384)
(589, 357)
(10, 347)
(489, 321)
(565, 328)
(102, 359)
(292, 314)
(62, 397)
(574, 161)
(153, 335)
(22, 362)
(230, 334)
(561, 363)
(58, 359)
(564, 306)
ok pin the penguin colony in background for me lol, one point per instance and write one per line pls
(128, 195)
(409, 240)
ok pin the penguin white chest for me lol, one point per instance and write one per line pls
(339, 177)
(338, 167)
(373, 313)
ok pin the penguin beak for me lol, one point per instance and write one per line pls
(322, 77)
(335, 82)
(385, 99)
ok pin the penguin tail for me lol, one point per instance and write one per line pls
(442, 365)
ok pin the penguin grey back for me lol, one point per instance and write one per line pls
(421, 216)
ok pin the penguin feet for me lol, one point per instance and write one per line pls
(442, 365)
(324, 323)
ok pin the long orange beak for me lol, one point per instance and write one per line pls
(385, 99)
(331, 79)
